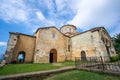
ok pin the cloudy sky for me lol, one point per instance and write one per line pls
(25, 16)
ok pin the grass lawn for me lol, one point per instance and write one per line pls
(22, 68)
(81, 75)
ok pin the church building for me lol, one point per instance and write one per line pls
(48, 45)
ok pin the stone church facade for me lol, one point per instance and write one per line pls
(48, 44)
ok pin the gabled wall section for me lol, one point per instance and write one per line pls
(85, 42)
(47, 39)
(25, 44)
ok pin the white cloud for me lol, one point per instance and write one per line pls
(93, 13)
(49, 5)
(13, 10)
(60, 4)
(84, 14)
(40, 15)
(3, 43)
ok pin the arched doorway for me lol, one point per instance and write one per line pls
(53, 56)
(21, 57)
(83, 56)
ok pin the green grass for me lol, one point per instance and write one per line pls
(22, 68)
(81, 75)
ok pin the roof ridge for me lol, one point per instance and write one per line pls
(44, 28)
(18, 33)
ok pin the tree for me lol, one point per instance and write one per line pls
(116, 42)
(1, 57)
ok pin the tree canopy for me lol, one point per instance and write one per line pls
(116, 42)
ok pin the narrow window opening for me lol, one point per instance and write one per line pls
(69, 48)
(53, 35)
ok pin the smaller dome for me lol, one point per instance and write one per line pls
(65, 29)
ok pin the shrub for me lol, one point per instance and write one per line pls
(114, 58)
(14, 62)
(119, 55)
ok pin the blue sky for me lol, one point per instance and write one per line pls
(26, 16)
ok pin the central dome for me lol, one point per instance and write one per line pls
(68, 29)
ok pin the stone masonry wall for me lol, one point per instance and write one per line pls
(10, 47)
(46, 40)
(88, 42)
(26, 44)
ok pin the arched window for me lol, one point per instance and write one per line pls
(21, 57)
(69, 29)
(92, 38)
(54, 35)
(83, 56)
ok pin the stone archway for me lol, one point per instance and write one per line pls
(53, 56)
(83, 56)
(21, 57)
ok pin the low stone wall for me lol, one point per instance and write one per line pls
(100, 71)
(27, 76)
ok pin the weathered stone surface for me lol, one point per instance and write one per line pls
(48, 44)
(26, 44)
(10, 47)
(46, 40)
(91, 42)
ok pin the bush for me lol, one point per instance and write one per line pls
(119, 55)
(114, 58)
(14, 62)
